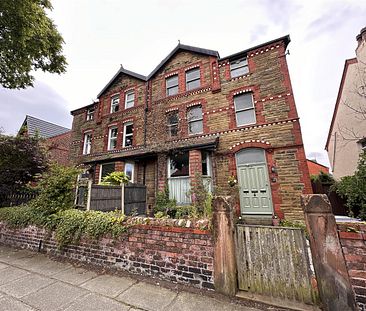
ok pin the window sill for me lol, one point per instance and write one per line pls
(240, 77)
(184, 94)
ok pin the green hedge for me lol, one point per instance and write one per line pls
(69, 225)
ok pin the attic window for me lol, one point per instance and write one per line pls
(172, 85)
(239, 67)
(90, 114)
(129, 99)
(193, 80)
(115, 103)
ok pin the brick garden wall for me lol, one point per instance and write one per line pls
(176, 254)
(354, 250)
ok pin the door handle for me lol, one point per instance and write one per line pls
(246, 191)
(263, 190)
(254, 191)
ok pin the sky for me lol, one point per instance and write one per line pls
(101, 35)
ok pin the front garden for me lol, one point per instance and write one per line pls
(53, 209)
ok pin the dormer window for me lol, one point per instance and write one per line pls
(115, 103)
(239, 67)
(193, 80)
(129, 99)
(90, 114)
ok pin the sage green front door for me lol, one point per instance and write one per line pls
(254, 186)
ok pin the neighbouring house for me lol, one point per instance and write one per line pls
(347, 132)
(224, 118)
(316, 168)
(55, 138)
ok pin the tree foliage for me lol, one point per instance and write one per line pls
(56, 190)
(115, 179)
(22, 160)
(29, 41)
(353, 189)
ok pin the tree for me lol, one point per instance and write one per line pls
(29, 41)
(21, 161)
(353, 189)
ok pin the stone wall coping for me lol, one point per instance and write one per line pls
(197, 225)
(352, 231)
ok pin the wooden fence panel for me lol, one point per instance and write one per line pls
(108, 198)
(135, 199)
(274, 261)
(105, 198)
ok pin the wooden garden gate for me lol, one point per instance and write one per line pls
(274, 261)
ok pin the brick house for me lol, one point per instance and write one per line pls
(55, 139)
(199, 113)
(316, 168)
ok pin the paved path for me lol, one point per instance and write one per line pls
(32, 281)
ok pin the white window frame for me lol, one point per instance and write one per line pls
(173, 86)
(87, 143)
(195, 120)
(133, 170)
(110, 137)
(114, 103)
(128, 102)
(125, 135)
(235, 66)
(245, 109)
(188, 81)
(101, 169)
(90, 114)
(208, 163)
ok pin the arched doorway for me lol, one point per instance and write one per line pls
(254, 185)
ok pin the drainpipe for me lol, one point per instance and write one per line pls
(334, 150)
(146, 109)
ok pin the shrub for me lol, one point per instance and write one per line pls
(115, 178)
(322, 178)
(69, 225)
(353, 189)
(56, 190)
(163, 205)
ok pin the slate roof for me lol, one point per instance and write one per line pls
(185, 48)
(126, 72)
(162, 63)
(43, 128)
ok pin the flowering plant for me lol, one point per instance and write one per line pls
(232, 181)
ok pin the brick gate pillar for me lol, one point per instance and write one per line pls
(330, 268)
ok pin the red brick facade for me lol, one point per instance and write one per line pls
(353, 241)
(58, 148)
(315, 168)
(275, 129)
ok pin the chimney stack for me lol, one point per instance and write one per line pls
(361, 36)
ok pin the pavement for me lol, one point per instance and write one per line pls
(32, 281)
